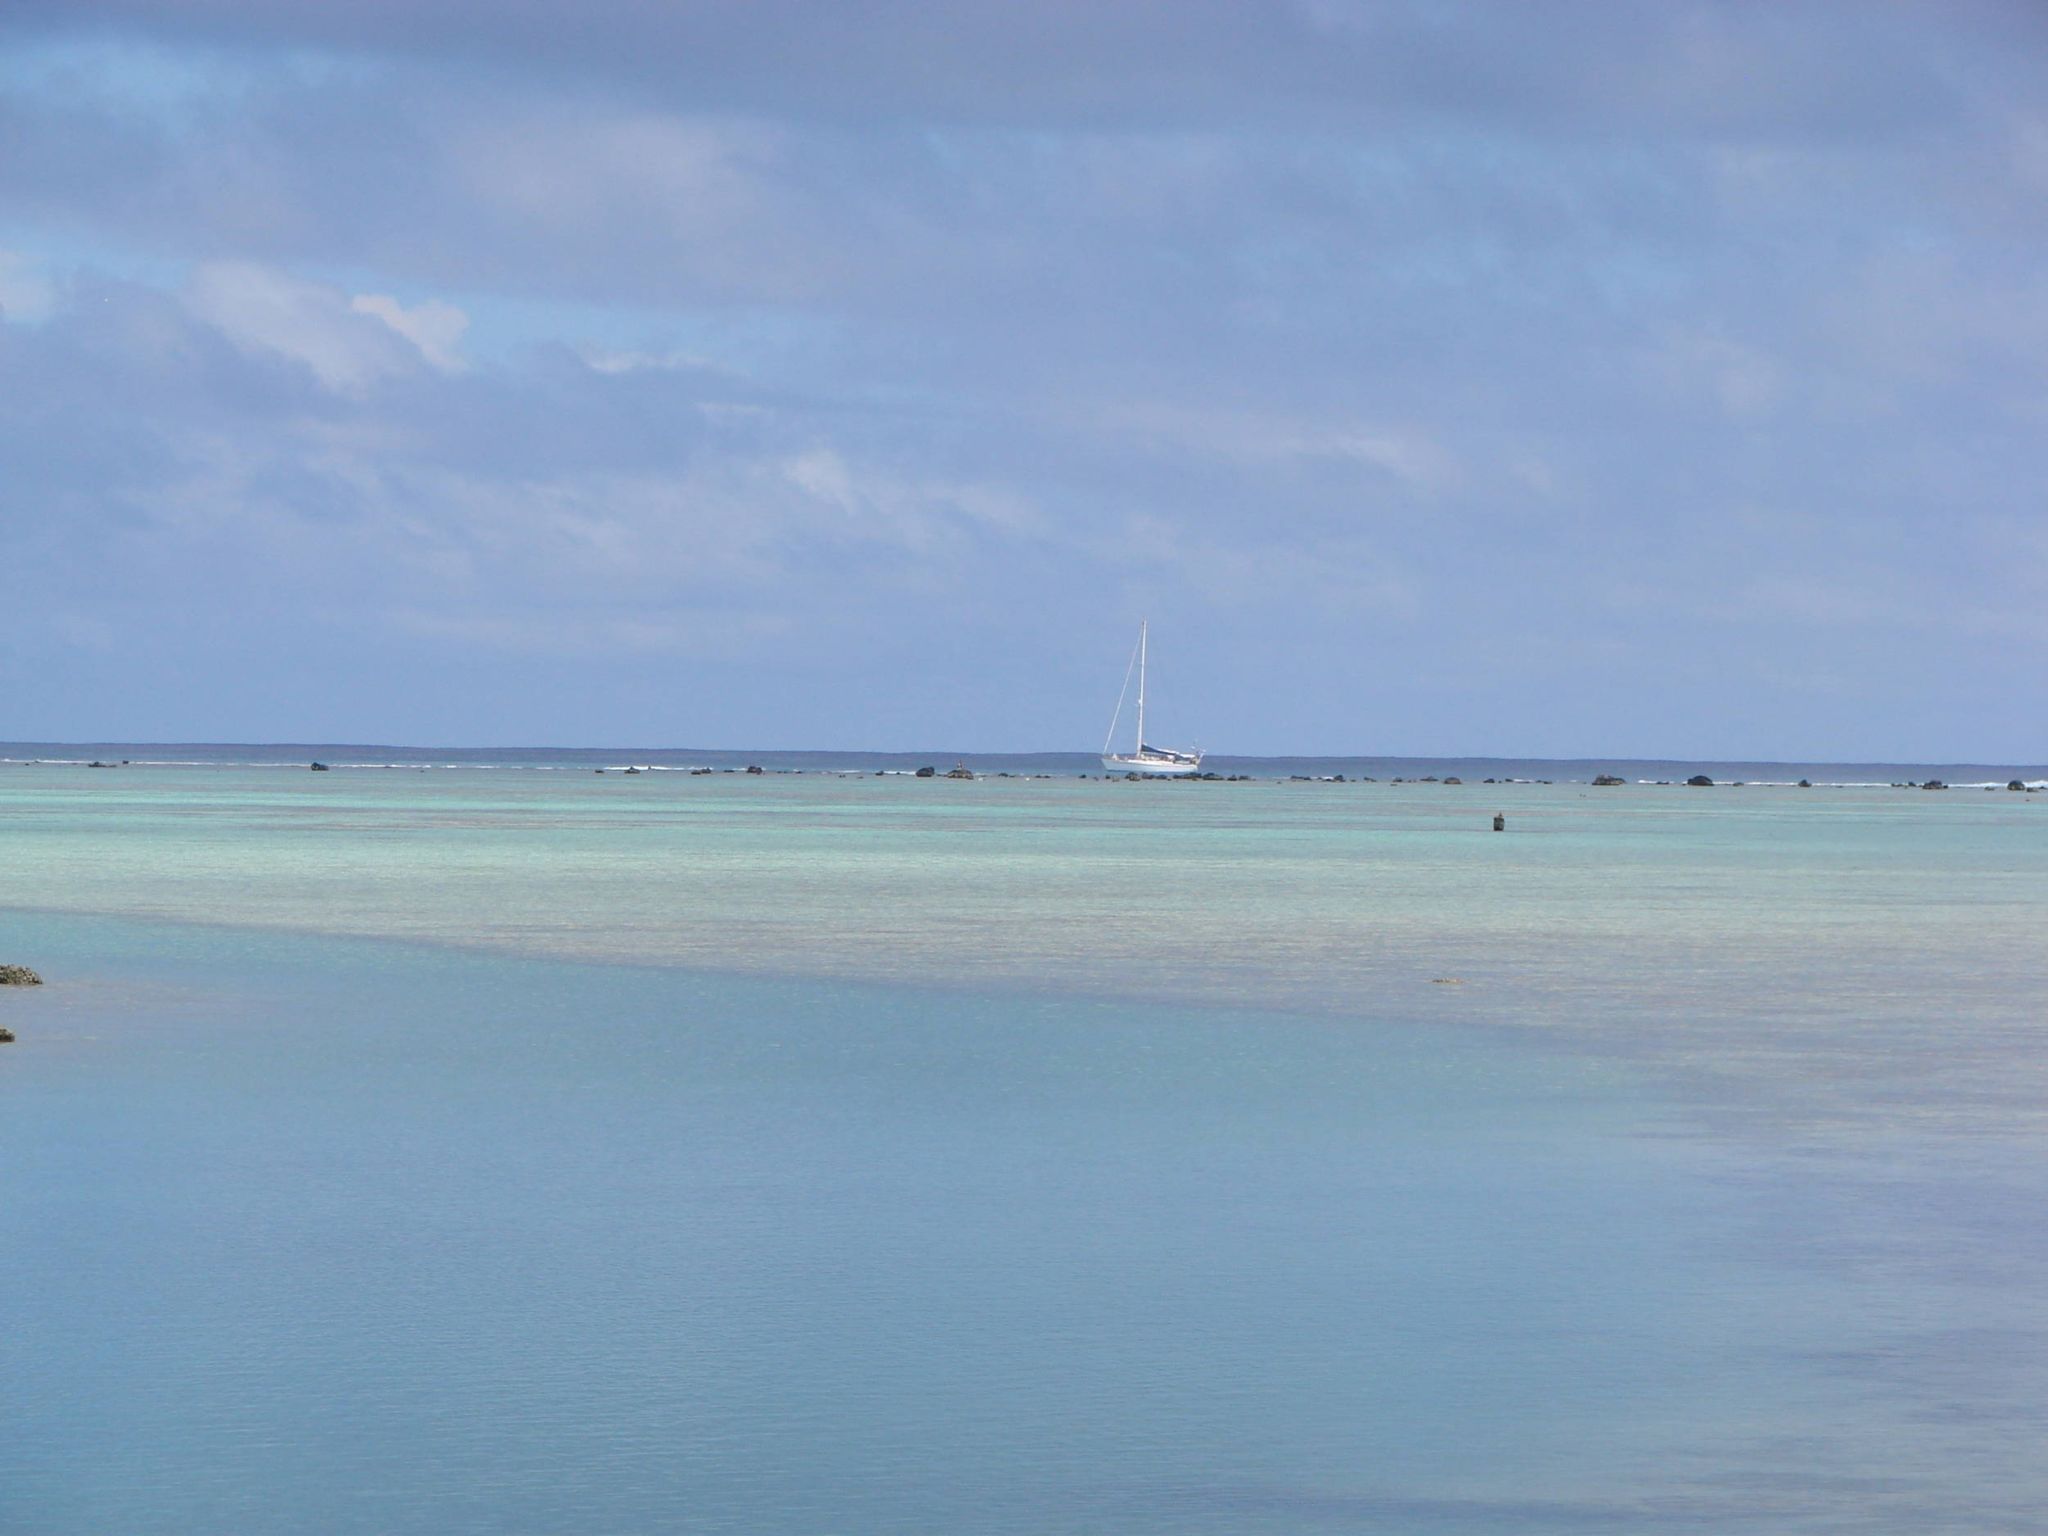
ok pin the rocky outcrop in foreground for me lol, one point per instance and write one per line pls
(18, 976)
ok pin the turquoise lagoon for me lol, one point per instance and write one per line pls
(495, 1150)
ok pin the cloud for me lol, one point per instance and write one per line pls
(1557, 350)
(1834, 67)
(1413, 459)
(613, 360)
(435, 328)
(263, 310)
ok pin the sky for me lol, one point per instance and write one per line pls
(1565, 379)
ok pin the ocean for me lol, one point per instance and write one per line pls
(481, 1143)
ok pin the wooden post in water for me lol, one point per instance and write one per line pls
(1500, 822)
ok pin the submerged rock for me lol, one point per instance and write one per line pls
(18, 976)
(320, 767)
(1604, 779)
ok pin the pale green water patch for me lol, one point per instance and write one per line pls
(1839, 956)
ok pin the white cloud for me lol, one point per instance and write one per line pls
(435, 328)
(264, 310)
(609, 361)
(346, 342)
(823, 474)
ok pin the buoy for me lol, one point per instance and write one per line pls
(1500, 823)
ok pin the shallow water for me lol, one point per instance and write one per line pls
(1850, 953)
(505, 1152)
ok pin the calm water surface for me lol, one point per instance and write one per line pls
(500, 1152)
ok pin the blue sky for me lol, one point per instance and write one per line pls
(1527, 379)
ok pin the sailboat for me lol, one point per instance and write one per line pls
(1147, 760)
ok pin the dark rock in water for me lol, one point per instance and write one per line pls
(927, 773)
(319, 767)
(18, 976)
(1934, 784)
(1806, 783)
(1604, 779)
(632, 770)
(6, 1036)
(754, 768)
(1454, 781)
(2016, 784)
(1700, 781)
(959, 771)
(1500, 823)
(96, 763)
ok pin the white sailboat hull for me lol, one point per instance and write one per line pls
(1152, 767)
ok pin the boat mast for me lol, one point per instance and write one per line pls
(1141, 687)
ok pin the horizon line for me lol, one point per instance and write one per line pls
(962, 753)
